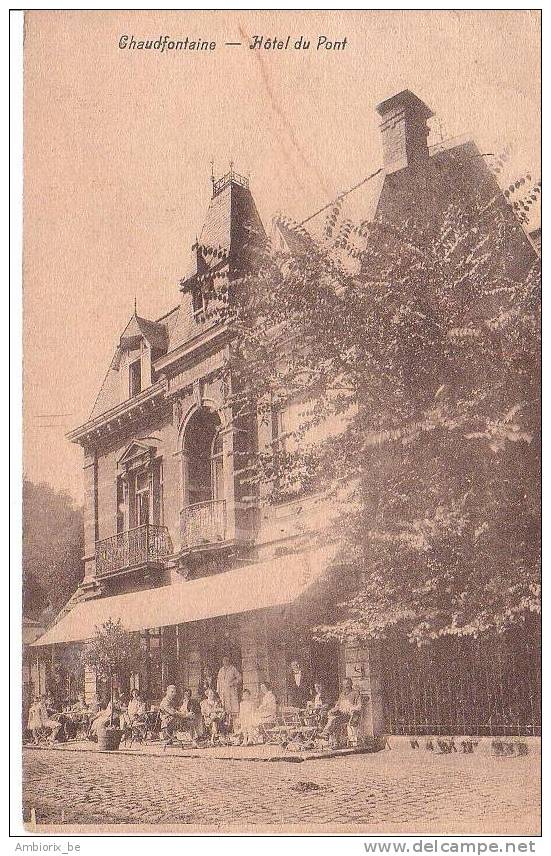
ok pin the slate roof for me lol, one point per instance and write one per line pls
(232, 226)
(398, 196)
(157, 334)
(225, 246)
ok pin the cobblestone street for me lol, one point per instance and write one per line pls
(389, 791)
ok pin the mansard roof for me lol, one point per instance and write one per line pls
(395, 198)
(231, 229)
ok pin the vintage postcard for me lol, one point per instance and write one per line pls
(281, 500)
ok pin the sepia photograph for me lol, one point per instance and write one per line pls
(281, 493)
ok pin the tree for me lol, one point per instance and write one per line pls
(113, 651)
(413, 346)
(53, 546)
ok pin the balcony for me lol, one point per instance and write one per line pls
(203, 523)
(143, 545)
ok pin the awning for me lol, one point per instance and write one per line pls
(259, 586)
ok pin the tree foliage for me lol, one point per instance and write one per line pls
(113, 651)
(53, 547)
(414, 347)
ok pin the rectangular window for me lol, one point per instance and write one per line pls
(157, 482)
(135, 378)
(142, 498)
(199, 301)
(296, 417)
(122, 505)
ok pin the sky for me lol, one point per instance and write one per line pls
(118, 147)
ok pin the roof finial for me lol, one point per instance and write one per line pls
(212, 170)
(135, 306)
(231, 169)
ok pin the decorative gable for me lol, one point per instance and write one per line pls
(137, 454)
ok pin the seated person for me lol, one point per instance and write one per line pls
(94, 706)
(190, 713)
(247, 719)
(102, 719)
(213, 713)
(266, 712)
(72, 717)
(40, 718)
(51, 705)
(120, 708)
(78, 715)
(207, 681)
(346, 711)
(80, 705)
(171, 718)
(136, 712)
(319, 704)
(168, 712)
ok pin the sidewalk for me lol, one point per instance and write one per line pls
(261, 752)
(497, 746)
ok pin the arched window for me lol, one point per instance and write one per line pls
(203, 463)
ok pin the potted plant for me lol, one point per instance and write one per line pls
(113, 651)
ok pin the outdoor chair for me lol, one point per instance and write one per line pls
(290, 726)
(136, 732)
(142, 731)
(182, 739)
(270, 732)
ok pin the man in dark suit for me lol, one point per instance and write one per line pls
(298, 685)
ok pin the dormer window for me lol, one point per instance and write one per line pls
(199, 302)
(135, 378)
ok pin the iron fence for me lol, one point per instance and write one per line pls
(472, 687)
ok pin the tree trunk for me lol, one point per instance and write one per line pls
(111, 694)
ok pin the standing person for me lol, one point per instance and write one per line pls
(247, 719)
(227, 687)
(34, 723)
(298, 685)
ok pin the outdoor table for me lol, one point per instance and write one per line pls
(79, 719)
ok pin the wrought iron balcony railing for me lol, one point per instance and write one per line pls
(203, 523)
(139, 546)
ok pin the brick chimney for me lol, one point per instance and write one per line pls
(404, 131)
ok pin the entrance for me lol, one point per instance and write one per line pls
(201, 648)
(324, 664)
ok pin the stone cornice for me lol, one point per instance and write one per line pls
(186, 353)
(190, 350)
(144, 401)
